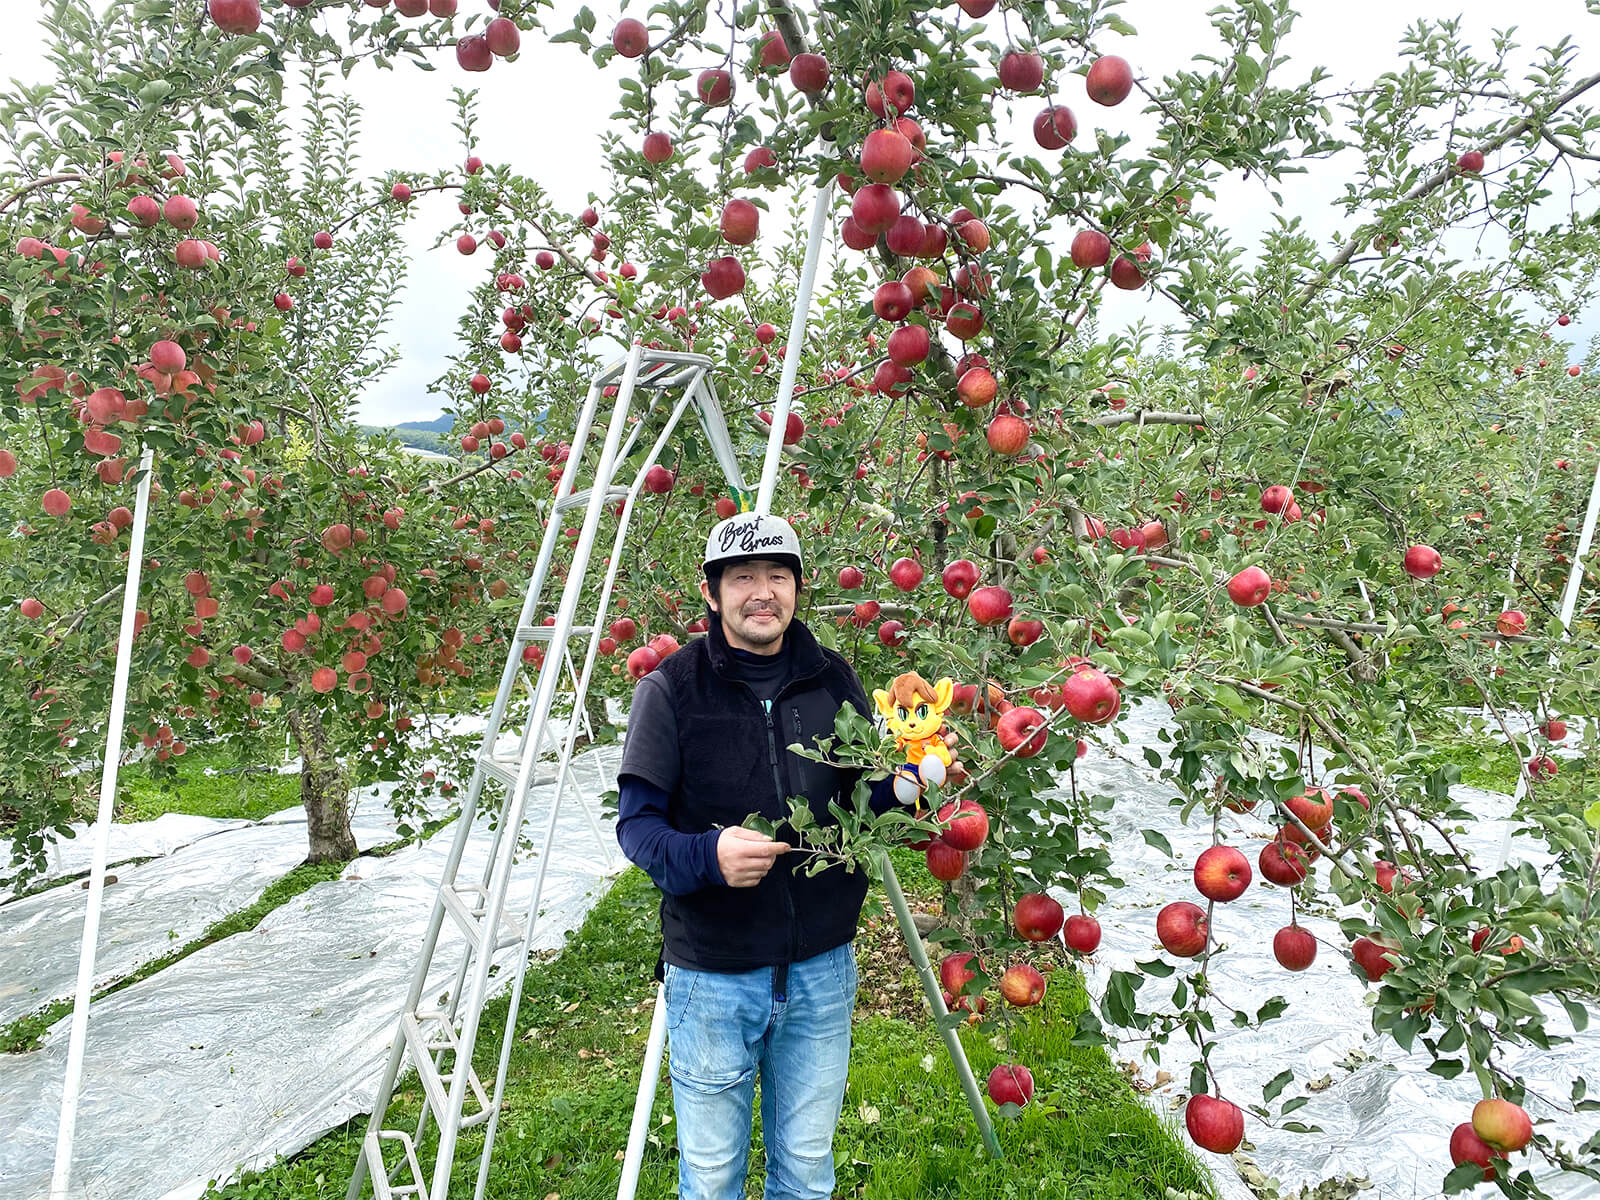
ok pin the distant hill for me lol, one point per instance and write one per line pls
(440, 424)
(419, 435)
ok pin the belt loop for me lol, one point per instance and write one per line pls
(780, 982)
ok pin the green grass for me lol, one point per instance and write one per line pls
(146, 790)
(574, 1069)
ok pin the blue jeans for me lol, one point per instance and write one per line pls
(727, 1027)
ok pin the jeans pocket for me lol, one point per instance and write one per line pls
(845, 968)
(680, 987)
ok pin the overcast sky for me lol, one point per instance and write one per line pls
(544, 114)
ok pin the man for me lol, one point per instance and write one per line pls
(757, 958)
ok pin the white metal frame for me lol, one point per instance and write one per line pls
(433, 1035)
(67, 1126)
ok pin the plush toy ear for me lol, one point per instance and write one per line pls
(881, 697)
(944, 692)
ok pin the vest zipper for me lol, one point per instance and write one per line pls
(772, 758)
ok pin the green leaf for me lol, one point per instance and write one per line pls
(1274, 1086)
(1158, 840)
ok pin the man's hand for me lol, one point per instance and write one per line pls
(956, 772)
(745, 856)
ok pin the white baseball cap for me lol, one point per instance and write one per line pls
(744, 536)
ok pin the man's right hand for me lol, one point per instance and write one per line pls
(745, 856)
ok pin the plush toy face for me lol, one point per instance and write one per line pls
(912, 708)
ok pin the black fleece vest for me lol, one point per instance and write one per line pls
(734, 762)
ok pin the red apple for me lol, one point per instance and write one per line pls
(723, 277)
(1021, 72)
(1022, 985)
(1082, 934)
(1511, 622)
(966, 825)
(642, 661)
(1555, 729)
(1010, 1083)
(1470, 163)
(1037, 916)
(960, 577)
(809, 73)
(989, 605)
(623, 629)
(875, 207)
(955, 972)
(1090, 248)
(1023, 632)
(1007, 435)
(740, 221)
(658, 480)
(1181, 928)
(945, 861)
(502, 35)
(1126, 274)
(236, 16)
(964, 320)
(1283, 862)
(977, 387)
(1214, 1124)
(1109, 81)
(1294, 947)
(851, 578)
(1542, 767)
(1502, 1125)
(905, 574)
(1467, 1146)
(1422, 562)
(1371, 955)
(774, 51)
(1276, 498)
(1022, 727)
(1054, 127)
(893, 301)
(1221, 873)
(714, 87)
(909, 345)
(1091, 697)
(1314, 808)
(473, 53)
(630, 38)
(657, 147)
(886, 156)
(1250, 587)
(895, 91)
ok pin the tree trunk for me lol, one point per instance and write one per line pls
(324, 791)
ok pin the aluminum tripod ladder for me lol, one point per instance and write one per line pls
(438, 1039)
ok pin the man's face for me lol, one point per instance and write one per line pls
(756, 604)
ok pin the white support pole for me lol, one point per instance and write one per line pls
(649, 1078)
(792, 349)
(61, 1177)
(1569, 609)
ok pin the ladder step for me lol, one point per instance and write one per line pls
(382, 1187)
(468, 912)
(505, 768)
(541, 633)
(579, 499)
(434, 1084)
